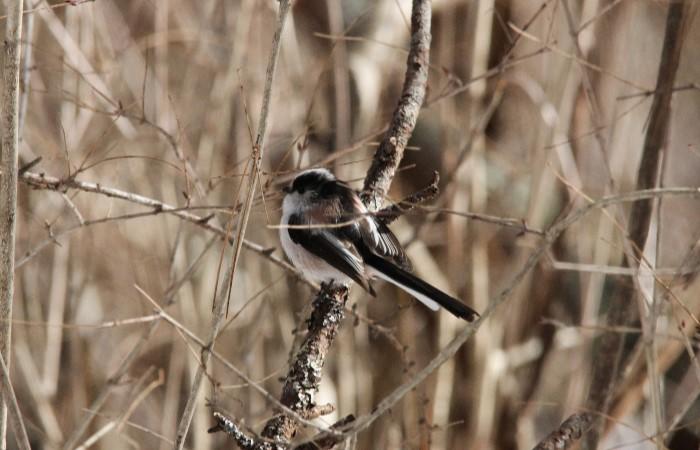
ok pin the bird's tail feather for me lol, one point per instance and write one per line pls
(427, 294)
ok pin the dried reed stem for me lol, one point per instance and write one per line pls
(221, 301)
(8, 184)
(622, 310)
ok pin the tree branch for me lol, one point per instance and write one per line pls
(304, 376)
(42, 181)
(390, 152)
(567, 434)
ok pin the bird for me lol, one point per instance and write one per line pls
(329, 235)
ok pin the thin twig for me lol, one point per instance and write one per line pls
(393, 212)
(26, 67)
(42, 181)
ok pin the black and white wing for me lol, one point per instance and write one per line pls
(375, 235)
(379, 238)
(332, 247)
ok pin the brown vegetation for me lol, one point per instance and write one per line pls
(154, 137)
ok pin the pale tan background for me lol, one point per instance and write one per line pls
(123, 89)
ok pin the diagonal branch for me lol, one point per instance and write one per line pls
(393, 212)
(551, 235)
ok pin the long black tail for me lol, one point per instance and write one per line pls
(427, 294)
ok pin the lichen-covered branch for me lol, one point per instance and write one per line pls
(567, 434)
(244, 440)
(390, 152)
(304, 376)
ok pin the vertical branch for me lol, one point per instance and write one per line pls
(390, 152)
(8, 184)
(606, 368)
(221, 301)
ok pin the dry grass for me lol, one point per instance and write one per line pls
(534, 109)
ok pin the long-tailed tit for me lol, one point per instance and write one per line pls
(328, 234)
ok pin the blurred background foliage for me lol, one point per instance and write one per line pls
(521, 120)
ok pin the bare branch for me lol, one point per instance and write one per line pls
(228, 426)
(304, 377)
(567, 434)
(42, 181)
(390, 152)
